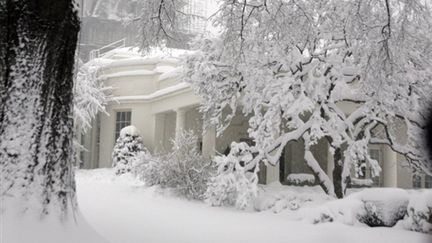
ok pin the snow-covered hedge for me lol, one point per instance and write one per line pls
(389, 207)
(356, 182)
(384, 206)
(183, 169)
(128, 150)
(277, 197)
(301, 179)
(419, 213)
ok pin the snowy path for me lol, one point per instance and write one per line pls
(127, 214)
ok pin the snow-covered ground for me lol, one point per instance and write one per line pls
(123, 210)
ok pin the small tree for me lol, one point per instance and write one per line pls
(128, 148)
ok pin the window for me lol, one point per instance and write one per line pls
(416, 179)
(428, 181)
(123, 119)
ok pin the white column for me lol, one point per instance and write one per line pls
(389, 168)
(209, 142)
(180, 121)
(94, 153)
(159, 132)
(272, 174)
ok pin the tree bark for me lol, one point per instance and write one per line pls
(337, 173)
(37, 45)
(340, 183)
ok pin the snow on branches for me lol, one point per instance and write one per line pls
(160, 21)
(346, 72)
(232, 184)
(90, 94)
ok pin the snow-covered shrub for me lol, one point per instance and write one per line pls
(128, 150)
(419, 213)
(347, 211)
(232, 184)
(183, 169)
(301, 179)
(357, 183)
(147, 169)
(277, 197)
(384, 206)
(233, 188)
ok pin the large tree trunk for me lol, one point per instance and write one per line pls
(337, 173)
(37, 45)
(340, 181)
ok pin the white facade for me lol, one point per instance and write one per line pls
(149, 96)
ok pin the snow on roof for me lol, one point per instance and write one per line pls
(154, 95)
(175, 72)
(141, 61)
(166, 62)
(128, 74)
(164, 68)
(157, 53)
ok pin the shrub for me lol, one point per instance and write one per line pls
(128, 150)
(301, 179)
(419, 213)
(232, 185)
(184, 169)
(383, 206)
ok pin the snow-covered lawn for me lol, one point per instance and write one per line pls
(123, 210)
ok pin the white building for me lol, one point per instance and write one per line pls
(150, 97)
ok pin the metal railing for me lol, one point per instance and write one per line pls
(103, 50)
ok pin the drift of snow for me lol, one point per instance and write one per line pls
(124, 210)
(17, 228)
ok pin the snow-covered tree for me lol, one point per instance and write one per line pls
(160, 22)
(37, 47)
(110, 9)
(90, 94)
(129, 148)
(293, 65)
